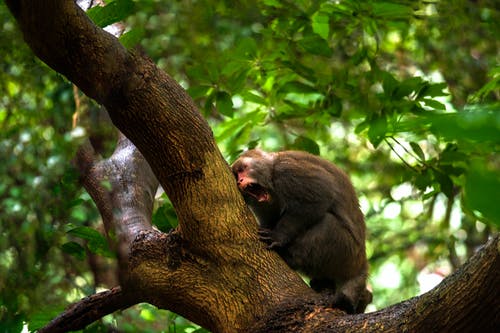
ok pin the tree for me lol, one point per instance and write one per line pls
(213, 259)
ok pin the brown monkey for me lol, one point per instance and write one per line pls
(309, 213)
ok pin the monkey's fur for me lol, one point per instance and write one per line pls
(309, 213)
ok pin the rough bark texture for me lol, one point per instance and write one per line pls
(88, 310)
(212, 269)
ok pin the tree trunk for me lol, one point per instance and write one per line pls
(212, 269)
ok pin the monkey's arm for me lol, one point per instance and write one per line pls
(289, 227)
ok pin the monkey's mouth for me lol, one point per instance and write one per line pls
(257, 192)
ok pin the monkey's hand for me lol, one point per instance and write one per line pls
(271, 238)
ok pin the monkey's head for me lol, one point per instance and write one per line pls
(253, 172)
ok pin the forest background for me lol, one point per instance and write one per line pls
(403, 95)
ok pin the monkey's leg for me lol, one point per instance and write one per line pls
(285, 231)
(318, 284)
(352, 296)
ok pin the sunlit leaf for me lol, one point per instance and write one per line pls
(434, 104)
(320, 24)
(482, 192)
(254, 98)
(113, 12)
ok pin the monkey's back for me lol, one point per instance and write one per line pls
(332, 244)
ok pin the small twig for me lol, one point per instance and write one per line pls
(400, 157)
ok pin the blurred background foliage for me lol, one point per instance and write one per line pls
(404, 95)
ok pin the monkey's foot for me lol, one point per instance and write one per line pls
(341, 301)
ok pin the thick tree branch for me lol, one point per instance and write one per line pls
(92, 177)
(126, 205)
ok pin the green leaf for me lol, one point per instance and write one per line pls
(224, 103)
(478, 124)
(113, 12)
(237, 81)
(101, 248)
(75, 202)
(97, 243)
(242, 125)
(377, 130)
(491, 86)
(358, 57)
(198, 91)
(85, 233)
(362, 126)
(305, 144)
(315, 45)
(298, 87)
(423, 180)
(482, 192)
(247, 48)
(335, 107)
(273, 3)
(208, 106)
(433, 90)
(389, 83)
(321, 24)
(445, 183)
(132, 38)
(408, 86)
(452, 156)
(165, 217)
(300, 69)
(254, 98)
(391, 11)
(74, 249)
(417, 150)
(434, 104)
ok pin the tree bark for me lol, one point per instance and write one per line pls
(212, 269)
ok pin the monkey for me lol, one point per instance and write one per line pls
(308, 212)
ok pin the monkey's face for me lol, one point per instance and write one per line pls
(252, 174)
